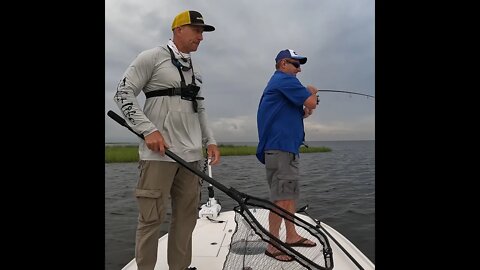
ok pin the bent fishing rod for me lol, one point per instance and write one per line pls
(343, 91)
(245, 200)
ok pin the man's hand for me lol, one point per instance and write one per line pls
(156, 143)
(213, 154)
(312, 89)
(307, 112)
(312, 101)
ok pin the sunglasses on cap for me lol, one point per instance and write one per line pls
(295, 64)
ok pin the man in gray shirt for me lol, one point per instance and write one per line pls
(173, 117)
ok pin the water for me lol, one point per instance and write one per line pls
(338, 186)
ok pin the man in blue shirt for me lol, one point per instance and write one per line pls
(283, 106)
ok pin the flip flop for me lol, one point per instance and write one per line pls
(278, 253)
(302, 243)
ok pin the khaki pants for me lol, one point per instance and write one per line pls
(159, 180)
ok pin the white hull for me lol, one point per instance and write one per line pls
(211, 243)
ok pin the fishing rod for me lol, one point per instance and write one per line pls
(343, 91)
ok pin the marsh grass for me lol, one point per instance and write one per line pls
(126, 153)
(129, 153)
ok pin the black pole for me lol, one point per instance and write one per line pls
(304, 210)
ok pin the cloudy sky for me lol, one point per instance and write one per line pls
(237, 59)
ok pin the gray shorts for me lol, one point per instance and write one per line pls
(282, 175)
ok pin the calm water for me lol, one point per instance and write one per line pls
(338, 186)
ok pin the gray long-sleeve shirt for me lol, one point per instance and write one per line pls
(184, 130)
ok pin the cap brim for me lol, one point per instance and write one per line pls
(206, 27)
(300, 59)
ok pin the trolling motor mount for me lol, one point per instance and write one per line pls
(212, 208)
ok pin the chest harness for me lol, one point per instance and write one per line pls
(186, 92)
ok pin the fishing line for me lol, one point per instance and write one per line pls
(343, 91)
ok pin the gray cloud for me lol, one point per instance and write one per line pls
(237, 59)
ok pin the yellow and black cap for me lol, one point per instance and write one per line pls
(191, 17)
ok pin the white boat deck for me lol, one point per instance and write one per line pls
(211, 243)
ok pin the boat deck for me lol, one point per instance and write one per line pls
(211, 244)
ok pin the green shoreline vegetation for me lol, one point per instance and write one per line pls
(129, 153)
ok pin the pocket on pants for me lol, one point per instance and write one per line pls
(149, 204)
(271, 160)
(288, 184)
